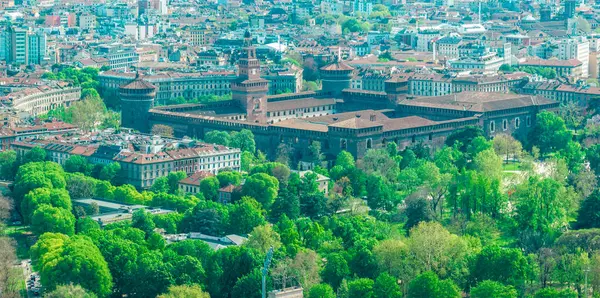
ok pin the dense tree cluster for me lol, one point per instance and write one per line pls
(477, 217)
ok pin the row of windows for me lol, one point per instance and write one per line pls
(517, 124)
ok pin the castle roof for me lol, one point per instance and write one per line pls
(338, 65)
(479, 102)
(138, 84)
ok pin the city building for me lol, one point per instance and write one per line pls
(15, 45)
(143, 158)
(37, 48)
(565, 68)
(39, 100)
(576, 48)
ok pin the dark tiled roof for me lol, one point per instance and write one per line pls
(138, 84)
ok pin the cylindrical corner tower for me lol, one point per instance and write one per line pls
(336, 77)
(137, 98)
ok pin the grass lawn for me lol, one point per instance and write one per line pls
(511, 166)
(23, 239)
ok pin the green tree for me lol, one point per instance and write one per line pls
(218, 137)
(141, 219)
(463, 137)
(541, 205)
(245, 215)
(549, 133)
(261, 187)
(493, 289)
(428, 285)
(386, 286)
(229, 178)
(345, 160)
(249, 285)
(229, 265)
(36, 154)
(8, 163)
(574, 156)
(435, 249)
(554, 293)
(589, 212)
(64, 260)
(336, 269)
(287, 204)
(71, 291)
(185, 291)
(507, 147)
(418, 209)
(44, 196)
(209, 187)
(110, 172)
(361, 287)
(321, 291)
(87, 113)
(244, 140)
(493, 263)
(263, 237)
(47, 218)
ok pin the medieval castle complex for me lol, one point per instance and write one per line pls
(338, 117)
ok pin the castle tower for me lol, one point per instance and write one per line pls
(336, 77)
(137, 98)
(249, 89)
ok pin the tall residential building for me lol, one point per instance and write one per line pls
(15, 45)
(576, 48)
(37, 48)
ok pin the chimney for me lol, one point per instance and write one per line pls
(372, 117)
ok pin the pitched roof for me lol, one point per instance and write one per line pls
(479, 101)
(339, 65)
(138, 84)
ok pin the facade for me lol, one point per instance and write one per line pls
(497, 113)
(86, 21)
(39, 100)
(150, 159)
(576, 48)
(565, 68)
(37, 48)
(119, 57)
(10, 133)
(16, 45)
(447, 47)
(487, 62)
(563, 93)
(284, 80)
(171, 84)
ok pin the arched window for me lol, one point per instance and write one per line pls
(343, 144)
(369, 144)
(517, 122)
(504, 124)
(492, 126)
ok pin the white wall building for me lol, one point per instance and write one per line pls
(576, 48)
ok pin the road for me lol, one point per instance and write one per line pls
(27, 272)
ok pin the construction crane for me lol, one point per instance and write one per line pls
(265, 271)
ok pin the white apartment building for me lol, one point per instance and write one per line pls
(86, 21)
(39, 100)
(576, 48)
(424, 37)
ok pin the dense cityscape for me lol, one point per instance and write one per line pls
(295, 148)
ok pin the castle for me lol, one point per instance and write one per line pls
(337, 117)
